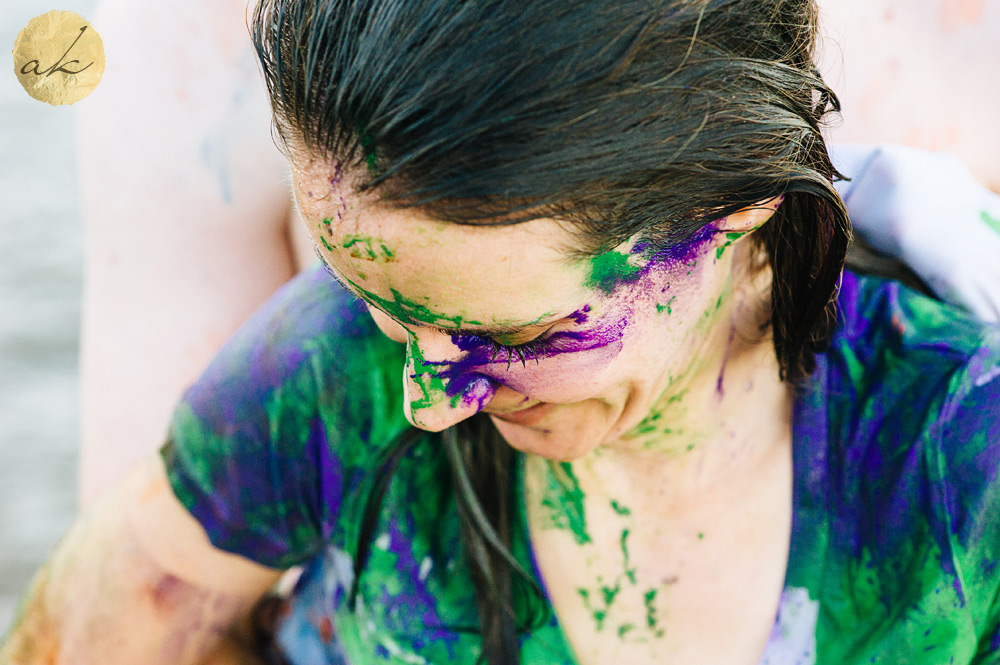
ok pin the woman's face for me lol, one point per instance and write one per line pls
(564, 354)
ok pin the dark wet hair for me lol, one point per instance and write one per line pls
(619, 116)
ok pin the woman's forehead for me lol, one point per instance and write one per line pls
(491, 274)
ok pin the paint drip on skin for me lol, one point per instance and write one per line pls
(367, 248)
(600, 599)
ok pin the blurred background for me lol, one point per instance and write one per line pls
(41, 266)
(920, 72)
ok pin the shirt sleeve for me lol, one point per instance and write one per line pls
(968, 429)
(263, 447)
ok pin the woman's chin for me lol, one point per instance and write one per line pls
(544, 438)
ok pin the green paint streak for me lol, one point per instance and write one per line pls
(624, 629)
(668, 306)
(364, 248)
(701, 535)
(649, 600)
(563, 499)
(409, 311)
(629, 572)
(990, 221)
(326, 244)
(620, 509)
(328, 220)
(600, 613)
(609, 270)
(426, 377)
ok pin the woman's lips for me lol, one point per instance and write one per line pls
(528, 416)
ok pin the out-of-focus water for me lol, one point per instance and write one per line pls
(40, 277)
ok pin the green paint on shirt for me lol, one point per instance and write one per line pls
(991, 221)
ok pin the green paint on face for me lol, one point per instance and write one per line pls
(408, 311)
(730, 239)
(990, 221)
(432, 388)
(367, 248)
(655, 419)
(668, 306)
(701, 535)
(611, 269)
(326, 244)
(563, 499)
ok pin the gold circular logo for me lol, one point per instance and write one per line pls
(59, 58)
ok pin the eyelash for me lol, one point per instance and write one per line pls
(523, 352)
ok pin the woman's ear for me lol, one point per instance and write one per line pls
(750, 218)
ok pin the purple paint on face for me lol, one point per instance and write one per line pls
(477, 391)
(476, 374)
(580, 315)
(338, 173)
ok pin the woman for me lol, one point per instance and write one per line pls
(607, 237)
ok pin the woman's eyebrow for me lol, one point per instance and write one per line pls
(499, 330)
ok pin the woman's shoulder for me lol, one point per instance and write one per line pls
(287, 418)
(912, 388)
(896, 351)
(311, 342)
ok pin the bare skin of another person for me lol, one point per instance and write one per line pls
(189, 221)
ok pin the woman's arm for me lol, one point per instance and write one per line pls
(136, 581)
(186, 209)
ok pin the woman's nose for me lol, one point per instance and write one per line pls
(437, 393)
